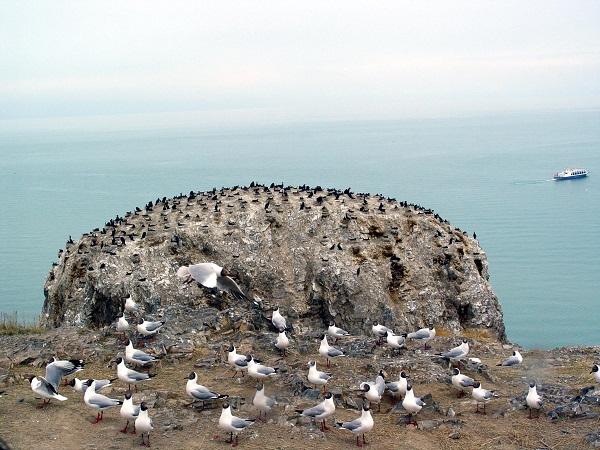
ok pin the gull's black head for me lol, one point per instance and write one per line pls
(331, 323)
(408, 387)
(225, 272)
(404, 335)
(532, 384)
(71, 382)
(119, 360)
(595, 368)
(514, 353)
(328, 395)
(455, 371)
(366, 387)
(248, 358)
(225, 405)
(127, 395)
(143, 406)
(464, 341)
(365, 407)
(89, 382)
(403, 374)
(231, 348)
(477, 385)
(260, 386)
(311, 363)
(322, 336)
(191, 376)
(381, 373)
(141, 321)
(30, 377)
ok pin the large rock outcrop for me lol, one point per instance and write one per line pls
(320, 254)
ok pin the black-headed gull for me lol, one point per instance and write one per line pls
(236, 360)
(514, 360)
(320, 412)
(328, 351)
(259, 371)
(212, 276)
(130, 376)
(41, 387)
(143, 424)
(137, 357)
(58, 369)
(148, 328)
(359, 426)
(424, 335)
(81, 385)
(98, 401)
(316, 377)
(336, 332)
(461, 382)
(278, 320)
(398, 388)
(282, 342)
(262, 402)
(533, 399)
(379, 331)
(129, 412)
(232, 424)
(199, 392)
(482, 395)
(412, 404)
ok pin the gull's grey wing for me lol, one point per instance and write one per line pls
(324, 375)
(227, 284)
(511, 361)
(151, 326)
(201, 394)
(340, 332)
(333, 352)
(488, 395)
(142, 356)
(204, 274)
(48, 387)
(101, 401)
(241, 362)
(279, 323)
(419, 402)
(420, 334)
(467, 382)
(454, 353)
(356, 423)
(314, 411)
(392, 387)
(265, 370)
(137, 376)
(136, 411)
(240, 423)
(54, 374)
(270, 402)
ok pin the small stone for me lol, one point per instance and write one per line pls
(454, 435)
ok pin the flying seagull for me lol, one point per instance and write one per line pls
(212, 276)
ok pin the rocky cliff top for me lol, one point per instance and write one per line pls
(320, 254)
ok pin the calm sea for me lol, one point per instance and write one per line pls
(486, 174)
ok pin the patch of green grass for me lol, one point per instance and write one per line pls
(10, 324)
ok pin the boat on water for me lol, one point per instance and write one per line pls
(569, 174)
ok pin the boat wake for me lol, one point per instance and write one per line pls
(523, 182)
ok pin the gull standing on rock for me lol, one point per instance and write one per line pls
(320, 412)
(258, 371)
(137, 357)
(316, 377)
(412, 404)
(533, 399)
(457, 352)
(374, 391)
(263, 403)
(395, 342)
(461, 382)
(282, 342)
(482, 395)
(336, 332)
(596, 371)
(327, 351)
(278, 320)
(424, 335)
(143, 423)
(398, 388)
(58, 369)
(514, 360)
(232, 424)
(130, 376)
(147, 328)
(129, 412)
(122, 324)
(130, 305)
(236, 360)
(98, 401)
(81, 385)
(379, 331)
(199, 392)
(46, 390)
(359, 426)
(212, 276)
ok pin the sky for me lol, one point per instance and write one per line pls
(285, 60)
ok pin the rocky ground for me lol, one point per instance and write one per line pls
(447, 422)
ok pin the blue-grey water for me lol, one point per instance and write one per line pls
(488, 174)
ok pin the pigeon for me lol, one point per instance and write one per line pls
(129, 412)
(320, 412)
(329, 352)
(359, 426)
(533, 399)
(130, 305)
(316, 377)
(237, 361)
(199, 392)
(143, 424)
(461, 382)
(98, 401)
(278, 320)
(147, 328)
(58, 369)
(596, 371)
(282, 342)
(412, 404)
(513, 360)
(263, 403)
(81, 385)
(394, 341)
(232, 424)
(336, 332)
(398, 388)
(379, 331)
(130, 376)
(137, 357)
(258, 371)
(212, 276)
(482, 395)
(41, 387)
(424, 335)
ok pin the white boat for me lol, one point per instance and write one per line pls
(569, 174)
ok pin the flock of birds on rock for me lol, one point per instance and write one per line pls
(211, 275)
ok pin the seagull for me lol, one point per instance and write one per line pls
(46, 390)
(236, 360)
(130, 376)
(146, 328)
(424, 335)
(533, 399)
(394, 341)
(412, 404)
(398, 388)
(513, 360)
(263, 403)
(81, 385)
(329, 352)
(199, 392)
(282, 342)
(374, 391)
(596, 371)
(58, 369)
(211, 275)
(336, 332)
(482, 395)
(379, 331)
(98, 401)
(258, 371)
(320, 412)
(122, 324)
(457, 352)
(137, 357)
(359, 426)
(461, 382)
(278, 320)
(129, 411)
(130, 305)
(316, 377)
(232, 424)
(143, 423)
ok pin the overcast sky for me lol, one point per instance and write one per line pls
(297, 60)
